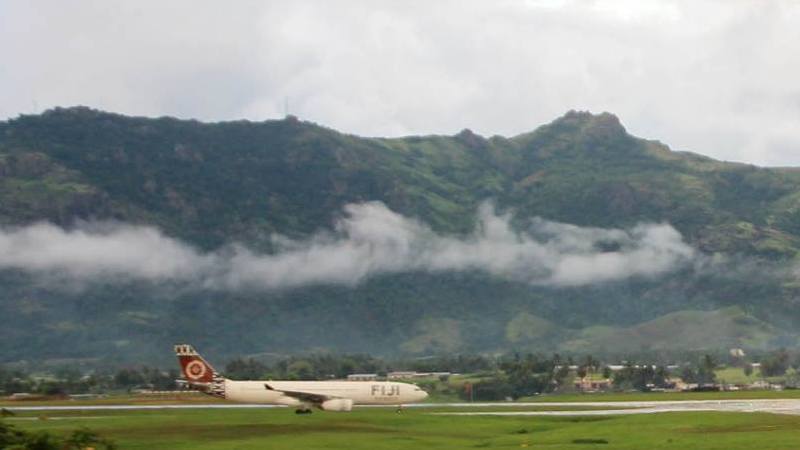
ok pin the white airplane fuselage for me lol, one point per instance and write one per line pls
(360, 392)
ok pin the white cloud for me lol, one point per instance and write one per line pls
(369, 240)
(96, 251)
(715, 77)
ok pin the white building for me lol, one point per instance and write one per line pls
(362, 377)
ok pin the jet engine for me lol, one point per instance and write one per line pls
(337, 404)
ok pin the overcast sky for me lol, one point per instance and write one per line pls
(718, 78)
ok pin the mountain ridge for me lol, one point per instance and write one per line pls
(213, 184)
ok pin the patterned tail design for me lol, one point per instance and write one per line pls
(198, 373)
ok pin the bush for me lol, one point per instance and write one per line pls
(11, 437)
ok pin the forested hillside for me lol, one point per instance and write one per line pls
(259, 185)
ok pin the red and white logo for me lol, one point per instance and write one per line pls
(195, 370)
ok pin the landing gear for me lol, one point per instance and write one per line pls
(399, 409)
(302, 411)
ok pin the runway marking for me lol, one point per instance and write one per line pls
(48, 418)
(133, 407)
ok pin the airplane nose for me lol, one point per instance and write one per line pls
(423, 395)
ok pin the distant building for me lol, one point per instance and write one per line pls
(22, 396)
(362, 377)
(399, 375)
(85, 396)
(736, 353)
(678, 384)
(589, 385)
(763, 384)
(618, 367)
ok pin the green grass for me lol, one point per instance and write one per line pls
(665, 396)
(419, 429)
(736, 375)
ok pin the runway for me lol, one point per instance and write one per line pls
(626, 408)
(501, 408)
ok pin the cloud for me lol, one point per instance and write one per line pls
(97, 251)
(716, 77)
(369, 240)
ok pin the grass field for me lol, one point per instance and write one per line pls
(736, 375)
(382, 428)
(419, 429)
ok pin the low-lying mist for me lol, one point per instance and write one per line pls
(368, 240)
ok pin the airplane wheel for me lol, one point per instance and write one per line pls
(302, 411)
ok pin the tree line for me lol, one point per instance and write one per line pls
(512, 375)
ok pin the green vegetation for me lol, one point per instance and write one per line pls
(384, 429)
(214, 184)
(682, 329)
(736, 375)
(13, 438)
(68, 380)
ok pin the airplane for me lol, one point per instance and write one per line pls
(324, 395)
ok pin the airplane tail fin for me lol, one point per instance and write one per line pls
(194, 368)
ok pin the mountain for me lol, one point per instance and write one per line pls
(212, 185)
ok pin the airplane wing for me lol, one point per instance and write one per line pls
(308, 397)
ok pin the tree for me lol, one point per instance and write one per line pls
(85, 438)
(9, 435)
(300, 370)
(706, 371)
(591, 364)
(792, 379)
(775, 364)
(491, 389)
(245, 369)
(641, 378)
(128, 378)
(703, 373)
(688, 375)
(660, 377)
